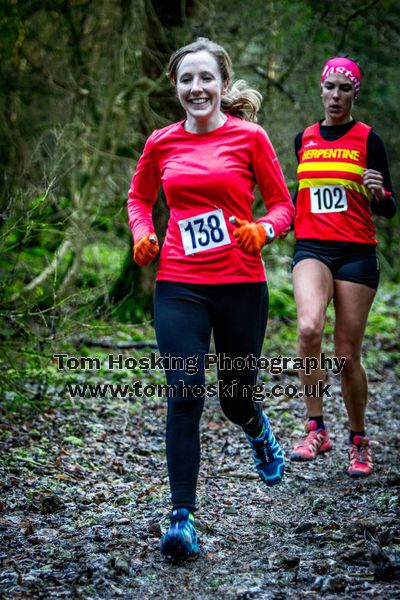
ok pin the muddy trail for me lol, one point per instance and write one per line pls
(84, 501)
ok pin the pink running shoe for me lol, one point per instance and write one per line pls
(360, 456)
(317, 441)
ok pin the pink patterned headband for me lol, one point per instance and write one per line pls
(343, 66)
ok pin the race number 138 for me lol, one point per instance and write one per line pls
(328, 199)
(204, 232)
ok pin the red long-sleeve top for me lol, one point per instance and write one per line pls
(204, 172)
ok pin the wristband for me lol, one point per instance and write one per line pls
(270, 231)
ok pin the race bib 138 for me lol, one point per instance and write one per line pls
(204, 232)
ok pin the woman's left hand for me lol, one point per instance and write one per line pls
(373, 180)
(250, 237)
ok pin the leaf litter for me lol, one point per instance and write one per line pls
(84, 500)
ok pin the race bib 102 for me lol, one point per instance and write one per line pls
(328, 199)
(204, 232)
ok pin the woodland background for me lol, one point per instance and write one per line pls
(84, 494)
(83, 84)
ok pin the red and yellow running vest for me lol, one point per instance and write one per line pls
(332, 202)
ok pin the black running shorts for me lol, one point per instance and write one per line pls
(347, 261)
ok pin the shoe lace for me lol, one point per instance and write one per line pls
(353, 454)
(310, 438)
(360, 454)
(364, 454)
(181, 522)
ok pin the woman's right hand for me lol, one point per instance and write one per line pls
(373, 180)
(145, 249)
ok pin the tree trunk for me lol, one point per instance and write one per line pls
(134, 287)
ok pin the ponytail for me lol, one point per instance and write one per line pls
(242, 101)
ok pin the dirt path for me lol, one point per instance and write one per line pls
(84, 500)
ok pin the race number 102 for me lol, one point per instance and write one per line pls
(328, 199)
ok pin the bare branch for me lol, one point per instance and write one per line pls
(355, 14)
(107, 343)
(49, 270)
(283, 88)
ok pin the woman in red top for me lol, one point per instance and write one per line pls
(211, 276)
(343, 177)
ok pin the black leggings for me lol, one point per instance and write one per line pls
(185, 315)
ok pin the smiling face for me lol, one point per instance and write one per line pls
(337, 99)
(199, 87)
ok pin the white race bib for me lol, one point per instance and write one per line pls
(204, 232)
(328, 199)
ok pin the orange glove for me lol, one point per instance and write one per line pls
(145, 249)
(250, 237)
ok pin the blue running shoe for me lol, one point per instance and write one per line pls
(268, 455)
(180, 541)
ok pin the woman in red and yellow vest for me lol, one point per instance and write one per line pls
(343, 177)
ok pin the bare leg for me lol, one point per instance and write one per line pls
(313, 290)
(352, 304)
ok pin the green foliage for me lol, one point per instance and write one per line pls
(33, 378)
(281, 301)
(73, 440)
(82, 85)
